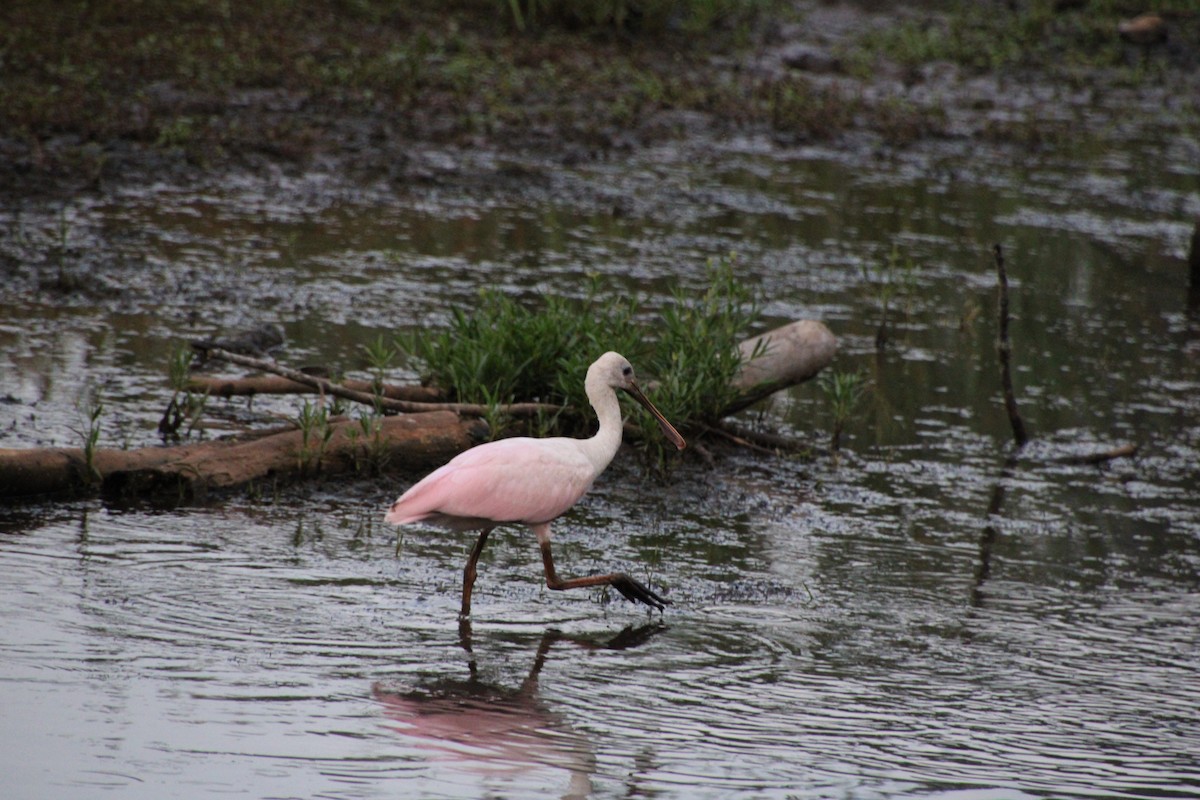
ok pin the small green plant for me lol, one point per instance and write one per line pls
(691, 15)
(896, 278)
(844, 391)
(367, 446)
(315, 433)
(380, 356)
(90, 409)
(179, 132)
(797, 107)
(184, 405)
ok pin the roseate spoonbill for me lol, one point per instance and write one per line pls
(533, 482)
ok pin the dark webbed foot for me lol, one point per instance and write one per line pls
(638, 592)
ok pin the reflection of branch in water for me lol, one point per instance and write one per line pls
(1194, 271)
(990, 533)
(489, 729)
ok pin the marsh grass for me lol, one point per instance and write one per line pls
(504, 352)
(209, 81)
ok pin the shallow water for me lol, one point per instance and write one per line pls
(861, 627)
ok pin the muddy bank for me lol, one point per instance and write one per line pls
(417, 97)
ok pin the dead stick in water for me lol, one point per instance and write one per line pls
(253, 385)
(1004, 351)
(1122, 451)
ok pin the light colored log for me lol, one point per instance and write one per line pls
(780, 358)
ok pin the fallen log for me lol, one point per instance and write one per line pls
(190, 472)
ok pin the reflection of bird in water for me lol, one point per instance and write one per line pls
(491, 730)
(533, 482)
(258, 341)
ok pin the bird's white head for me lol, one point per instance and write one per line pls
(613, 370)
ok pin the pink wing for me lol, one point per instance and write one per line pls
(511, 480)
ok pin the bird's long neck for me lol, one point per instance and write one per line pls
(601, 448)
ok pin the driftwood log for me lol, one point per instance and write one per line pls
(191, 471)
(780, 358)
(427, 433)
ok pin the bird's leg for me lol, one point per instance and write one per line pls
(469, 573)
(633, 590)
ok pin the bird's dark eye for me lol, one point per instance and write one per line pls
(627, 370)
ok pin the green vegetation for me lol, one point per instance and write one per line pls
(184, 405)
(896, 278)
(1044, 34)
(695, 356)
(315, 433)
(90, 409)
(844, 391)
(503, 352)
(210, 79)
(213, 82)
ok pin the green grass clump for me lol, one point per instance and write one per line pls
(503, 352)
(695, 355)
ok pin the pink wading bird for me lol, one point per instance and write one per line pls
(533, 482)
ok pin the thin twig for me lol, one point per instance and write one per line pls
(1004, 351)
(760, 441)
(367, 398)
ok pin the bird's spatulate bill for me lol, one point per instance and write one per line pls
(667, 428)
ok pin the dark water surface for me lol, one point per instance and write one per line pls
(850, 628)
